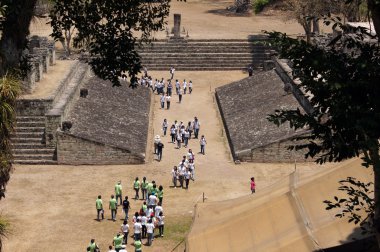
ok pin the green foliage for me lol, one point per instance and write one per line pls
(4, 230)
(9, 90)
(341, 83)
(112, 29)
(258, 5)
(358, 206)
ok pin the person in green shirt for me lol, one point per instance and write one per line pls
(160, 194)
(149, 189)
(99, 207)
(92, 246)
(113, 207)
(144, 186)
(118, 192)
(136, 186)
(138, 246)
(118, 241)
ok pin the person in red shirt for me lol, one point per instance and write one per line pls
(253, 185)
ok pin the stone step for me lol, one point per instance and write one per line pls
(26, 135)
(194, 68)
(30, 124)
(190, 61)
(19, 140)
(41, 151)
(30, 129)
(28, 157)
(30, 119)
(29, 145)
(35, 162)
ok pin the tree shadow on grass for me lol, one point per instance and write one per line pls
(227, 13)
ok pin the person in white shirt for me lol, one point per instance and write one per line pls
(168, 101)
(164, 126)
(203, 143)
(192, 169)
(152, 202)
(150, 231)
(190, 155)
(176, 86)
(144, 221)
(184, 84)
(123, 248)
(179, 95)
(187, 177)
(190, 128)
(196, 126)
(186, 137)
(162, 100)
(173, 133)
(158, 209)
(190, 87)
(137, 229)
(175, 176)
(181, 172)
(161, 219)
(179, 139)
(125, 230)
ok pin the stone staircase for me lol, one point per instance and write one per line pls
(204, 55)
(28, 143)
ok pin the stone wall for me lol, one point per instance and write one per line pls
(272, 153)
(36, 107)
(77, 151)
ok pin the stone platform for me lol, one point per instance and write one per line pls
(109, 126)
(245, 105)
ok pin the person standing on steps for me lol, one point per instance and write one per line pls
(119, 192)
(99, 207)
(136, 187)
(160, 146)
(113, 207)
(253, 185)
(196, 126)
(203, 143)
(164, 126)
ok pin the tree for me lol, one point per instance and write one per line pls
(111, 29)
(342, 84)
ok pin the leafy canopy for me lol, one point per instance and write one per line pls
(111, 29)
(342, 83)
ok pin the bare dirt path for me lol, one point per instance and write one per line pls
(55, 205)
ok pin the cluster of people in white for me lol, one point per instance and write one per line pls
(185, 171)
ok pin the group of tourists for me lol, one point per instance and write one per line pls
(145, 221)
(185, 171)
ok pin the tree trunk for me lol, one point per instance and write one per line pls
(374, 155)
(374, 8)
(315, 26)
(16, 29)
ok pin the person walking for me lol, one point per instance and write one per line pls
(190, 87)
(136, 187)
(164, 126)
(118, 241)
(125, 230)
(144, 221)
(99, 207)
(189, 128)
(137, 227)
(196, 126)
(181, 173)
(187, 177)
(118, 192)
(150, 230)
(253, 185)
(113, 207)
(179, 140)
(171, 71)
(126, 207)
(173, 133)
(160, 194)
(184, 84)
(92, 247)
(138, 246)
(161, 220)
(160, 147)
(203, 143)
(157, 139)
(162, 100)
(168, 97)
(169, 88)
(180, 95)
(186, 137)
(176, 86)
(144, 188)
(175, 176)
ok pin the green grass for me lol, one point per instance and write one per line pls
(177, 228)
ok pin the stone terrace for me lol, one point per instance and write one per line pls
(115, 117)
(244, 106)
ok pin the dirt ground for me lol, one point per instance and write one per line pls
(53, 207)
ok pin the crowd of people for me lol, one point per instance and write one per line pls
(144, 222)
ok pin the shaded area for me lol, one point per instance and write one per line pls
(114, 116)
(228, 13)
